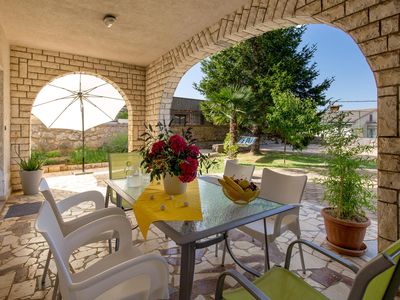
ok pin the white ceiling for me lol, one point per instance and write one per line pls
(145, 29)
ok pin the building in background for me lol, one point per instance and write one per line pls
(363, 121)
(186, 111)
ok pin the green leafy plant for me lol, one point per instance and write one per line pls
(32, 163)
(293, 119)
(118, 144)
(348, 189)
(122, 115)
(167, 153)
(231, 150)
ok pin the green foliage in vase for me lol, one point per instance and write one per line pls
(167, 153)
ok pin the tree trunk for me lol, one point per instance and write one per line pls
(255, 148)
(233, 128)
(284, 153)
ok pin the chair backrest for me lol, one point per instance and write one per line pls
(48, 195)
(238, 171)
(282, 188)
(119, 162)
(48, 226)
(380, 278)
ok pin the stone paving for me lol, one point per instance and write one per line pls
(23, 251)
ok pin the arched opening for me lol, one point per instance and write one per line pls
(75, 121)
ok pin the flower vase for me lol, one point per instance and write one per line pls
(173, 185)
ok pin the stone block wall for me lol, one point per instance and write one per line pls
(45, 139)
(31, 69)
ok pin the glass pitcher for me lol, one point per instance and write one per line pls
(133, 175)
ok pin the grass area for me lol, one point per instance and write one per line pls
(275, 159)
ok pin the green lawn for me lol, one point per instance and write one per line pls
(276, 159)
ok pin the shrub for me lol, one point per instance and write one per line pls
(118, 144)
(122, 115)
(230, 150)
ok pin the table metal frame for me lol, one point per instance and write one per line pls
(201, 239)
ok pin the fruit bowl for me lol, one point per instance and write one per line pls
(239, 191)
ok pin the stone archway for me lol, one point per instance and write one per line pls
(67, 140)
(31, 69)
(373, 25)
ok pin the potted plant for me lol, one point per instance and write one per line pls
(31, 173)
(174, 158)
(348, 189)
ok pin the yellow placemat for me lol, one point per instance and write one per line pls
(147, 207)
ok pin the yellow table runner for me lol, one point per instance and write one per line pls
(147, 207)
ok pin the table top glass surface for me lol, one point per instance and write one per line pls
(217, 209)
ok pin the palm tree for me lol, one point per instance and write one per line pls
(227, 106)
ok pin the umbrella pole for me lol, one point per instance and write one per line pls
(83, 136)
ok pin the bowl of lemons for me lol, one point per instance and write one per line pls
(239, 191)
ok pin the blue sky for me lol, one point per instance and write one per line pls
(337, 56)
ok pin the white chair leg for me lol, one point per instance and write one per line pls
(55, 290)
(46, 267)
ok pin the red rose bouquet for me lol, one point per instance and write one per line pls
(167, 153)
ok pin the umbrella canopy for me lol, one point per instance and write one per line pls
(77, 102)
(61, 102)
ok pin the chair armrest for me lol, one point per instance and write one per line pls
(243, 281)
(93, 196)
(330, 254)
(281, 216)
(150, 264)
(74, 224)
(84, 234)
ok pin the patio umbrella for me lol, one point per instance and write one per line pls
(77, 102)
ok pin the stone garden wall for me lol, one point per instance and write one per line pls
(45, 139)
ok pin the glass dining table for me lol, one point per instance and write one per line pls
(219, 216)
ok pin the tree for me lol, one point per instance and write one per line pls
(268, 63)
(296, 121)
(227, 106)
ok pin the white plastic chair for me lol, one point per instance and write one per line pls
(59, 207)
(285, 189)
(124, 274)
(238, 171)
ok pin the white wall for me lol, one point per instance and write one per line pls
(4, 117)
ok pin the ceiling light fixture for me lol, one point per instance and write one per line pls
(109, 20)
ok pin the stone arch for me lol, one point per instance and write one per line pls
(372, 24)
(106, 79)
(31, 69)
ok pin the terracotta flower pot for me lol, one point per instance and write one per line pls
(344, 234)
(30, 181)
(173, 185)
